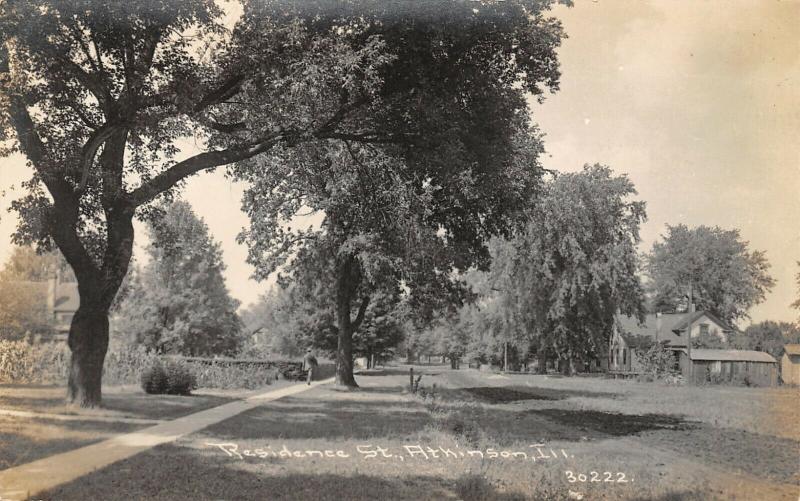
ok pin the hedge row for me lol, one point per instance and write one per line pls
(48, 363)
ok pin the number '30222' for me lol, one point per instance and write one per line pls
(596, 476)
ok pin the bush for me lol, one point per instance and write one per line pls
(233, 376)
(154, 379)
(48, 363)
(171, 377)
(22, 362)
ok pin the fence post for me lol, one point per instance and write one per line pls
(411, 377)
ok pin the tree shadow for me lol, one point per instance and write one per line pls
(392, 371)
(508, 394)
(23, 439)
(325, 418)
(123, 404)
(173, 472)
(612, 423)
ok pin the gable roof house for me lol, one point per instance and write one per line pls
(630, 338)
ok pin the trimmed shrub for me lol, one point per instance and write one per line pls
(171, 377)
(154, 379)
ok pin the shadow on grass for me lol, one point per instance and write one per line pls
(611, 423)
(508, 394)
(24, 440)
(49, 399)
(393, 371)
(325, 418)
(174, 472)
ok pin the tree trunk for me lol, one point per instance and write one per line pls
(344, 354)
(542, 365)
(88, 341)
(348, 277)
(97, 287)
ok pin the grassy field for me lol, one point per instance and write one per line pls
(58, 428)
(476, 436)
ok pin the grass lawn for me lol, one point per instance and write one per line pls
(490, 437)
(25, 439)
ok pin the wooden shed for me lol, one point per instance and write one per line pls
(790, 364)
(720, 366)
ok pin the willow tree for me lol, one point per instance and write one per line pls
(575, 265)
(98, 95)
(440, 154)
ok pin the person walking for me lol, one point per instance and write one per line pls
(310, 364)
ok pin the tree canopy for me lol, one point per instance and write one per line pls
(726, 278)
(179, 303)
(558, 284)
(440, 154)
(97, 95)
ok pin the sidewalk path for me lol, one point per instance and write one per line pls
(24, 481)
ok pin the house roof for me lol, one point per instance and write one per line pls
(792, 349)
(673, 327)
(633, 331)
(732, 355)
(693, 317)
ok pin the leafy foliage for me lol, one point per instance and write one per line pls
(438, 155)
(562, 280)
(767, 336)
(179, 303)
(171, 377)
(97, 95)
(725, 276)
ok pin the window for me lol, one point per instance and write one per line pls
(624, 357)
(704, 329)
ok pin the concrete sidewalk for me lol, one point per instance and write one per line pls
(27, 480)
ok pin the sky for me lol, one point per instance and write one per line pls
(697, 102)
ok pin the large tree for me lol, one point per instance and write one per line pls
(724, 275)
(179, 302)
(575, 266)
(453, 157)
(97, 96)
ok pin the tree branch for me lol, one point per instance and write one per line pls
(362, 311)
(172, 176)
(229, 88)
(96, 140)
(367, 137)
(97, 88)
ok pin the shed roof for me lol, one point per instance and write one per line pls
(732, 355)
(792, 349)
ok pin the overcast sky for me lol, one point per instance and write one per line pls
(698, 102)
